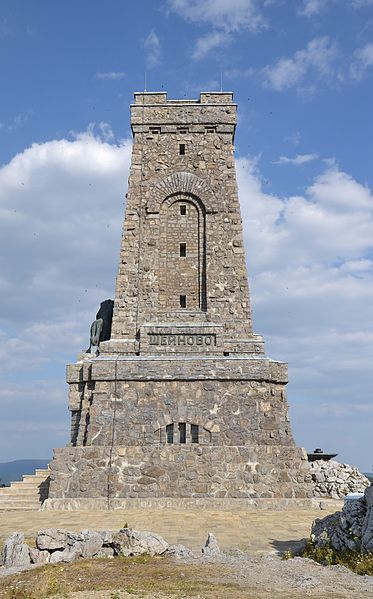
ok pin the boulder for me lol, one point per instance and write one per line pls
(211, 546)
(133, 542)
(105, 552)
(51, 539)
(179, 551)
(350, 529)
(107, 536)
(92, 543)
(15, 551)
(39, 557)
(335, 480)
(367, 527)
(75, 541)
(66, 556)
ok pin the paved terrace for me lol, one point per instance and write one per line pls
(251, 531)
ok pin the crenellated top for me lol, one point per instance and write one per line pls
(212, 109)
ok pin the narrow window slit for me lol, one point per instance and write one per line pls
(183, 250)
(182, 432)
(182, 209)
(182, 149)
(170, 433)
(194, 431)
(183, 301)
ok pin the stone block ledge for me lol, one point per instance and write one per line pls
(172, 503)
(179, 368)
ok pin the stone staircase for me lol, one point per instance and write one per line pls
(27, 494)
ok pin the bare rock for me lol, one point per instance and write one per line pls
(105, 552)
(211, 547)
(66, 556)
(106, 536)
(351, 529)
(179, 551)
(38, 556)
(15, 551)
(92, 543)
(133, 542)
(367, 527)
(335, 480)
(52, 539)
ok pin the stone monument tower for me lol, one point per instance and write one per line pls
(181, 401)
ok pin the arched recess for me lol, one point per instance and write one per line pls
(182, 263)
(180, 182)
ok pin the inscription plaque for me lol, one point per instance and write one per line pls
(182, 339)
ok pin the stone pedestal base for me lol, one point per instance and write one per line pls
(183, 471)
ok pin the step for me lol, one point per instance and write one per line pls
(21, 490)
(32, 478)
(26, 485)
(11, 504)
(24, 495)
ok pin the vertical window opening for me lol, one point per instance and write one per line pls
(183, 302)
(182, 149)
(194, 431)
(182, 432)
(170, 433)
(183, 209)
(182, 250)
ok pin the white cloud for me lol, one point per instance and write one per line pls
(310, 264)
(311, 270)
(225, 17)
(362, 61)
(229, 15)
(311, 8)
(235, 73)
(316, 60)
(153, 50)
(297, 160)
(208, 42)
(110, 75)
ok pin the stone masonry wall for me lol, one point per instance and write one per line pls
(225, 412)
(180, 471)
(204, 175)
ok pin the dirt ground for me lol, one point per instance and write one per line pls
(236, 576)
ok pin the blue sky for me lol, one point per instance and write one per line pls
(302, 74)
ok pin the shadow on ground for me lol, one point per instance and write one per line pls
(296, 546)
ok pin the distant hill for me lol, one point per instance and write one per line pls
(12, 471)
(369, 475)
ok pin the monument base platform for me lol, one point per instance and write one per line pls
(189, 504)
(113, 474)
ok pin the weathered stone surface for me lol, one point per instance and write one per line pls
(367, 527)
(39, 557)
(67, 556)
(92, 543)
(133, 542)
(51, 539)
(105, 552)
(179, 551)
(15, 551)
(263, 472)
(211, 547)
(352, 528)
(106, 536)
(335, 480)
(182, 401)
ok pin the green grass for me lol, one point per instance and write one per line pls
(360, 563)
